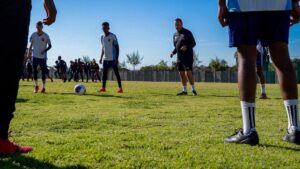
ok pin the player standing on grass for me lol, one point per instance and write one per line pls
(40, 45)
(110, 53)
(184, 43)
(262, 55)
(15, 18)
(268, 21)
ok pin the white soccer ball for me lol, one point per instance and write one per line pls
(80, 89)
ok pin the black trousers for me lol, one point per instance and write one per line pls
(106, 66)
(14, 25)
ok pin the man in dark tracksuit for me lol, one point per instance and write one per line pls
(14, 19)
(184, 43)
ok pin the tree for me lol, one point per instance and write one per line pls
(197, 61)
(296, 63)
(134, 59)
(123, 65)
(218, 65)
(86, 59)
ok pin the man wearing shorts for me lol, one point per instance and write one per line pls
(269, 22)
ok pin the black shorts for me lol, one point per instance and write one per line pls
(185, 66)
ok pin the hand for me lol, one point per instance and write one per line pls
(51, 12)
(183, 48)
(222, 15)
(43, 52)
(100, 62)
(295, 14)
(171, 55)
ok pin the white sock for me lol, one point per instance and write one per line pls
(263, 88)
(44, 85)
(291, 107)
(193, 88)
(248, 113)
(184, 88)
(36, 83)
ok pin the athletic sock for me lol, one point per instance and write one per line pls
(248, 113)
(44, 85)
(184, 88)
(193, 88)
(291, 107)
(36, 83)
(263, 88)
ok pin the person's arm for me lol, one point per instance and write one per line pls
(49, 46)
(174, 52)
(222, 13)
(51, 12)
(102, 54)
(192, 41)
(116, 44)
(29, 50)
(295, 14)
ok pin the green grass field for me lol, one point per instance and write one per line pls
(146, 127)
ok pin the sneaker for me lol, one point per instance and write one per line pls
(194, 93)
(292, 136)
(103, 90)
(9, 148)
(36, 89)
(120, 90)
(263, 96)
(43, 90)
(182, 94)
(239, 138)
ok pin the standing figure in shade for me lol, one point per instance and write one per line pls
(14, 19)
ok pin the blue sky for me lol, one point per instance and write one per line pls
(143, 25)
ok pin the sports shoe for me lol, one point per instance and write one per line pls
(103, 90)
(239, 138)
(36, 89)
(263, 96)
(43, 90)
(10, 148)
(182, 94)
(194, 93)
(120, 90)
(292, 136)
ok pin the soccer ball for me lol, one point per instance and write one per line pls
(80, 89)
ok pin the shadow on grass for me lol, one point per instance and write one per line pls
(22, 100)
(20, 161)
(95, 95)
(220, 96)
(279, 147)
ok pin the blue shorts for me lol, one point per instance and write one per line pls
(259, 60)
(40, 62)
(109, 64)
(247, 28)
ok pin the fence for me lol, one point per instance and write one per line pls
(200, 76)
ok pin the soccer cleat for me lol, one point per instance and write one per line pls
(43, 90)
(36, 89)
(263, 96)
(9, 148)
(240, 138)
(182, 94)
(120, 90)
(292, 136)
(194, 93)
(103, 90)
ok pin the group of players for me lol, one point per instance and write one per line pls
(36, 59)
(250, 23)
(77, 70)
